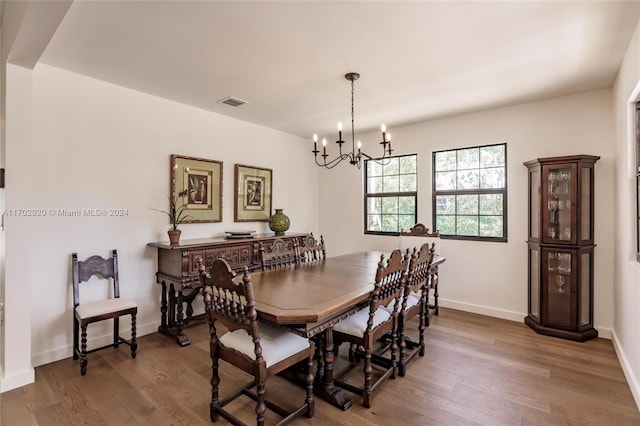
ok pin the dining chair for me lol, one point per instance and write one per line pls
(413, 238)
(367, 326)
(259, 349)
(309, 249)
(99, 310)
(415, 303)
(278, 252)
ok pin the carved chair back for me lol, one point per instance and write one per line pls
(83, 270)
(310, 249)
(419, 272)
(389, 285)
(417, 235)
(226, 301)
(277, 253)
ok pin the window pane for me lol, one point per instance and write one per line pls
(445, 161)
(492, 178)
(406, 222)
(445, 181)
(374, 223)
(408, 183)
(408, 164)
(374, 185)
(374, 169)
(391, 184)
(392, 167)
(374, 205)
(491, 226)
(445, 204)
(468, 158)
(468, 179)
(492, 156)
(491, 204)
(446, 225)
(407, 205)
(390, 223)
(467, 225)
(467, 204)
(390, 205)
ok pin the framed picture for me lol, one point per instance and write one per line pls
(253, 194)
(202, 181)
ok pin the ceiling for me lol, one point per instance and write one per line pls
(417, 59)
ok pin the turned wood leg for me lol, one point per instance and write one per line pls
(402, 346)
(181, 338)
(261, 407)
(134, 342)
(309, 382)
(215, 382)
(83, 351)
(326, 388)
(76, 337)
(368, 371)
(163, 308)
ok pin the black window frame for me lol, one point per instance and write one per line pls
(503, 191)
(368, 195)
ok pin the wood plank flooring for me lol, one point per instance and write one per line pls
(477, 371)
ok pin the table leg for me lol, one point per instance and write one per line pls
(163, 308)
(327, 389)
(181, 338)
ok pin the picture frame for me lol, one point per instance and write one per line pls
(203, 181)
(253, 187)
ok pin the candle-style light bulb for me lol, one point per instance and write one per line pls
(324, 142)
(340, 132)
(383, 128)
(340, 125)
(315, 138)
(359, 144)
(389, 137)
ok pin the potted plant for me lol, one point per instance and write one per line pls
(177, 215)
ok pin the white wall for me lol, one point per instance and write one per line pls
(98, 145)
(491, 278)
(627, 269)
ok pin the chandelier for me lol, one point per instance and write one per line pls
(353, 157)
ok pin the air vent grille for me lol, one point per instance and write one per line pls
(234, 102)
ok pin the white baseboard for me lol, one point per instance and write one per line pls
(482, 310)
(627, 369)
(93, 342)
(604, 333)
(17, 380)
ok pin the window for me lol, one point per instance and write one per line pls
(391, 194)
(470, 193)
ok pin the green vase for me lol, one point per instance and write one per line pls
(279, 222)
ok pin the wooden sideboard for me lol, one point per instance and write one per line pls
(178, 274)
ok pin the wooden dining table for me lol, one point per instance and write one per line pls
(310, 298)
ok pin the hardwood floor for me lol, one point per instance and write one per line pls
(477, 370)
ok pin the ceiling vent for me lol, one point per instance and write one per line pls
(234, 102)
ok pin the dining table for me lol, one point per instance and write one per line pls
(310, 298)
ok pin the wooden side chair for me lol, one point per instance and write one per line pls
(256, 348)
(277, 253)
(414, 238)
(310, 249)
(112, 308)
(369, 325)
(415, 303)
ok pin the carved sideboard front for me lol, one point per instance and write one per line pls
(178, 274)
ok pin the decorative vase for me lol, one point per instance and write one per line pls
(279, 222)
(174, 236)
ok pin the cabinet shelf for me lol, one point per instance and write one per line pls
(561, 247)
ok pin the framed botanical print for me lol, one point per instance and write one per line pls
(201, 181)
(252, 194)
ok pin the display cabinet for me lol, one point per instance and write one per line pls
(561, 246)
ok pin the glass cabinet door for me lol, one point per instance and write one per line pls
(559, 204)
(560, 290)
